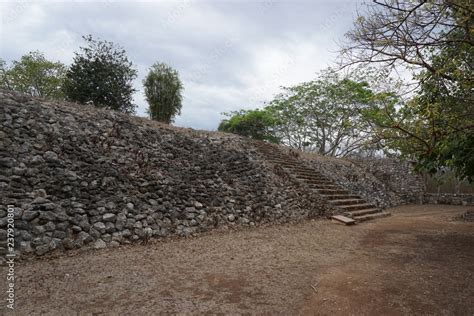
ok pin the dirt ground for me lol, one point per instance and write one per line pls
(418, 261)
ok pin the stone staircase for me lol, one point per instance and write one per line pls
(351, 206)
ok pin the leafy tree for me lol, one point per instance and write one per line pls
(256, 124)
(163, 93)
(101, 74)
(33, 74)
(433, 40)
(324, 115)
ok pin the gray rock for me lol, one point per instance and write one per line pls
(94, 233)
(29, 215)
(76, 228)
(18, 171)
(109, 217)
(139, 217)
(231, 217)
(68, 243)
(110, 205)
(100, 244)
(66, 188)
(93, 212)
(25, 235)
(49, 206)
(41, 193)
(21, 224)
(61, 216)
(130, 206)
(100, 227)
(190, 209)
(117, 236)
(103, 210)
(40, 200)
(109, 227)
(62, 226)
(49, 226)
(84, 223)
(120, 221)
(36, 242)
(47, 215)
(59, 234)
(198, 205)
(41, 250)
(25, 247)
(114, 244)
(77, 204)
(7, 162)
(130, 223)
(56, 243)
(84, 237)
(50, 156)
(38, 230)
(37, 160)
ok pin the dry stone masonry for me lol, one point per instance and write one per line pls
(383, 182)
(449, 198)
(78, 176)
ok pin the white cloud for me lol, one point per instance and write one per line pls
(230, 54)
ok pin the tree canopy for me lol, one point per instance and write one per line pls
(326, 115)
(256, 124)
(434, 41)
(33, 74)
(163, 90)
(101, 74)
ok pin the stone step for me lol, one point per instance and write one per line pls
(315, 179)
(285, 164)
(355, 207)
(363, 212)
(331, 191)
(300, 169)
(371, 216)
(340, 196)
(322, 186)
(319, 182)
(309, 175)
(283, 159)
(346, 201)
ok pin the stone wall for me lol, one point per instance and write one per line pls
(448, 198)
(383, 182)
(83, 177)
(398, 176)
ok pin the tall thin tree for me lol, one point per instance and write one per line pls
(163, 90)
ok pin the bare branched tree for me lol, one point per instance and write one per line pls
(407, 33)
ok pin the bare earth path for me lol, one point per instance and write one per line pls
(419, 261)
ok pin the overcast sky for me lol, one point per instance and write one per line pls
(229, 54)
